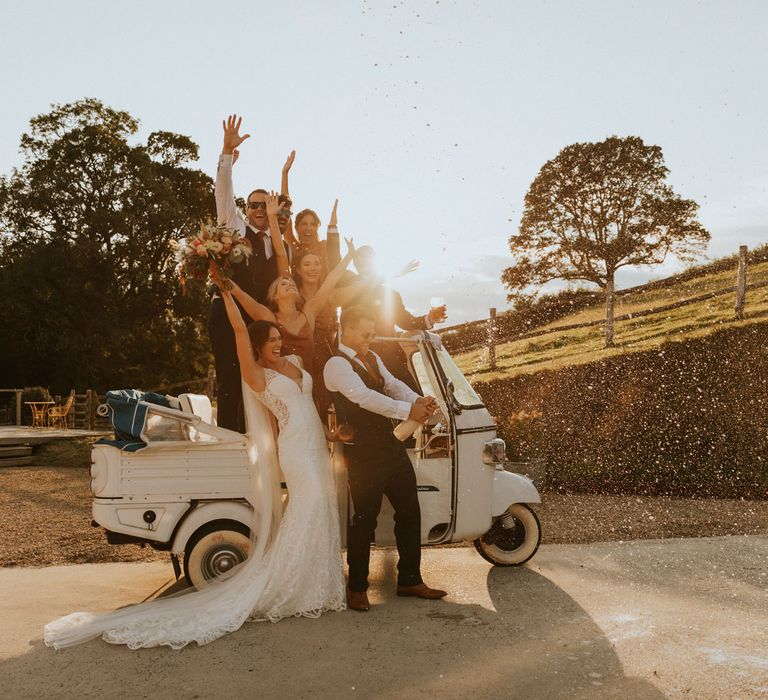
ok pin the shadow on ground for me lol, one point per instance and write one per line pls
(536, 642)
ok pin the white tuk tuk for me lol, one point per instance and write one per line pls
(184, 492)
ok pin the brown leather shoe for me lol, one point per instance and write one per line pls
(358, 600)
(421, 590)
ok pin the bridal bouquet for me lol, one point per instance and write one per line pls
(218, 244)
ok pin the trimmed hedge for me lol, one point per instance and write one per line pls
(688, 419)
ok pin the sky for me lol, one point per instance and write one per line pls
(428, 120)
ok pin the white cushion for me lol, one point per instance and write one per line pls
(198, 405)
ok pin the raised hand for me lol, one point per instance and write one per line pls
(411, 266)
(232, 138)
(273, 204)
(350, 246)
(223, 285)
(332, 220)
(289, 162)
(438, 314)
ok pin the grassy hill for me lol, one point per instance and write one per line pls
(679, 407)
(583, 345)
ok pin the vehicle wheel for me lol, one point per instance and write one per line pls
(513, 539)
(214, 550)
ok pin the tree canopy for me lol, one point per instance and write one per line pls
(598, 207)
(90, 295)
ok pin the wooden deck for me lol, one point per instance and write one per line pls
(25, 435)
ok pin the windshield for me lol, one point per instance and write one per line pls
(427, 388)
(462, 389)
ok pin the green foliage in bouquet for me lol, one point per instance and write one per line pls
(217, 245)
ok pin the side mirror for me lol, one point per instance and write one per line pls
(454, 404)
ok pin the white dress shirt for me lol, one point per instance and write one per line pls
(226, 210)
(339, 376)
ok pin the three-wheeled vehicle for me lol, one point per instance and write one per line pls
(185, 490)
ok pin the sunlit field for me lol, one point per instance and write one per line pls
(583, 345)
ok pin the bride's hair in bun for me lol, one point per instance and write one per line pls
(258, 332)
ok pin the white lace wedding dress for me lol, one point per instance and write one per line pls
(298, 574)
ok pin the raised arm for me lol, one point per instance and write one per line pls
(283, 266)
(347, 296)
(332, 240)
(318, 302)
(290, 238)
(257, 311)
(226, 209)
(286, 170)
(250, 370)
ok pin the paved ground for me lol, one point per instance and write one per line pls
(650, 619)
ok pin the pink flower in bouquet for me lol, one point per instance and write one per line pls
(218, 245)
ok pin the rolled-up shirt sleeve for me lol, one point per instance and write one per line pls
(339, 376)
(226, 209)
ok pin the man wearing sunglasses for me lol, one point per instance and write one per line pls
(254, 274)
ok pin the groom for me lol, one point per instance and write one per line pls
(367, 396)
(254, 275)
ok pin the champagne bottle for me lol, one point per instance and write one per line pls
(405, 429)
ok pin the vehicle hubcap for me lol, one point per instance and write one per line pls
(507, 538)
(221, 561)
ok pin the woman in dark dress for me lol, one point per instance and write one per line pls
(296, 317)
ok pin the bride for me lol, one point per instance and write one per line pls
(299, 572)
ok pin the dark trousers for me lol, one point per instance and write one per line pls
(372, 474)
(229, 412)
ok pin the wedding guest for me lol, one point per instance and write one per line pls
(254, 275)
(308, 273)
(390, 313)
(295, 317)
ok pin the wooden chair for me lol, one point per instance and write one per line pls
(57, 415)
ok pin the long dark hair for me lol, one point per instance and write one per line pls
(258, 332)
(296, 263)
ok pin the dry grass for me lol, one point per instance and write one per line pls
(584, 345)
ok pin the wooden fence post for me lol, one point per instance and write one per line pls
(19, 393)
(741, 282)
(492, 339)
(89, 409)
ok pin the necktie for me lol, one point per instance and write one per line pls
(261, 247)
(369, 361)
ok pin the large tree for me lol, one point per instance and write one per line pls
(88, 283)
(598, 207)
